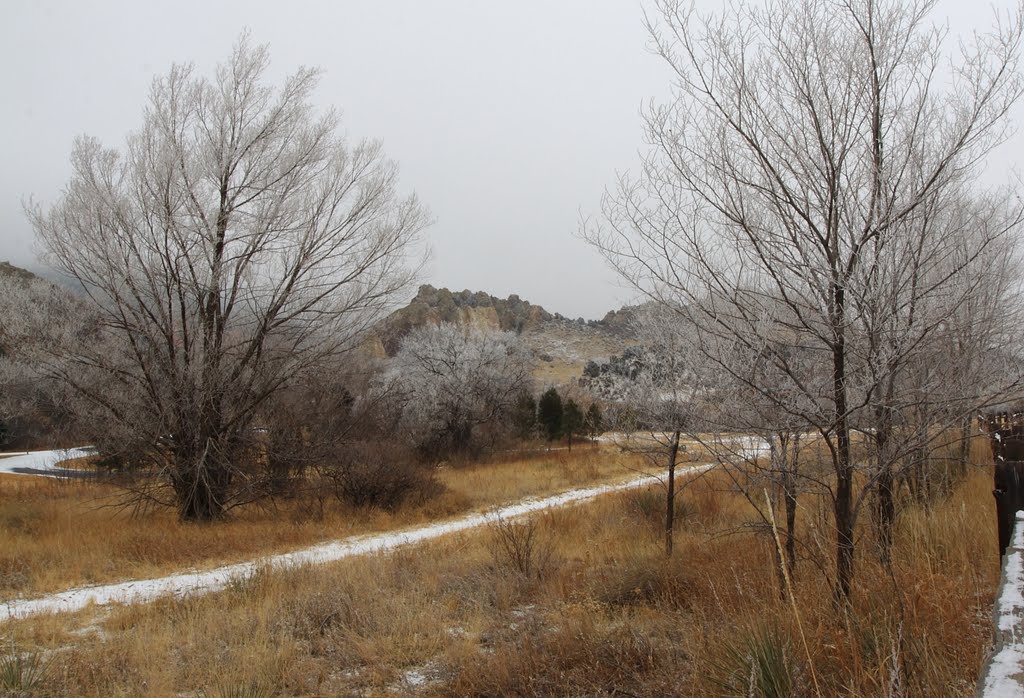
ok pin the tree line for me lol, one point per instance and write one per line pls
(810, 227)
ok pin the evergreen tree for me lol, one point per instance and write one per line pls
(594, 422)
(549, 414)
(524, 416)
(572, 419)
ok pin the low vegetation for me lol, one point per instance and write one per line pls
(577, 601)
(828, 287)
(59, 534)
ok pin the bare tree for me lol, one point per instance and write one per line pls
(770, 457)
(459, 380)
(237, 242)
(34, 410)
(940, 298)
(806, 145)
(658, 393)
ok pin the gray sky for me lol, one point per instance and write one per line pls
(507, 118)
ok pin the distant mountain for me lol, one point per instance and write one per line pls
(563, 346)
(438, 305)
(9, 270)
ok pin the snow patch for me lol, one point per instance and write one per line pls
(415, 678)
(43, 463)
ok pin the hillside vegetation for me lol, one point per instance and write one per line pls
(563, 346)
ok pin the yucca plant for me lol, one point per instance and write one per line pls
(759, 665)
(22, 673)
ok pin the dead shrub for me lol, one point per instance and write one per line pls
(705, 503)
(312, 618)
(583, 656)
(649, 504)
(15, 574)
(380, 475)
(20, 518)
(521, 546)
(639, 580)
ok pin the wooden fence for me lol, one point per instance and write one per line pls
(1002, 675)
(1003, 671)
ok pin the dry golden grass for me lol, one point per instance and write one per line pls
(557, 372)
(59, 534)
(599, 612)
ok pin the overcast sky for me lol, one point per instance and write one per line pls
(507, 118)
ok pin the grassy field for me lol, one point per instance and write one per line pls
(56, 534)
(580, 602)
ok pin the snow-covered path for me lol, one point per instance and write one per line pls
(42, 463)
(140, 591)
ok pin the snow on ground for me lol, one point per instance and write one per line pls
(1004, 674)
(43, 463)
(741, 447)
(745, 447)
(140, 591)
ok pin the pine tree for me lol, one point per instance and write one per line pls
(549, 414)
(594, 422)
(524, 416)
(572, 419)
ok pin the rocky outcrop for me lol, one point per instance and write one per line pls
(562, 346)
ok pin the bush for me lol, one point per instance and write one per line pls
(22, 673)
(760, 664)
(521, 546)
(380, 475)
(649, 506)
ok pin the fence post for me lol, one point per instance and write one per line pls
(1008, 454)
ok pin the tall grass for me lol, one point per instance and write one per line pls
(609, 616)
(59, 534)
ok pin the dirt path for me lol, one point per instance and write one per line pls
(141, 591)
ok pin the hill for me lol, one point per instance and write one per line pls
(563, 346)
(9, 270)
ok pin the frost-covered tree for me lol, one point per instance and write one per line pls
(808, 150)
(459, 383)
(35, 409)
(659, 395)
(235, 242)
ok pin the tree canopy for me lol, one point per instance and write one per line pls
(235, 243)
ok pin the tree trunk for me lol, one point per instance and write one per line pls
(789, 496)
(201, 482)
(919, 475)
(885, 512)
(670, 508)
(965, 446)
(885, 504)
(841, 455)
